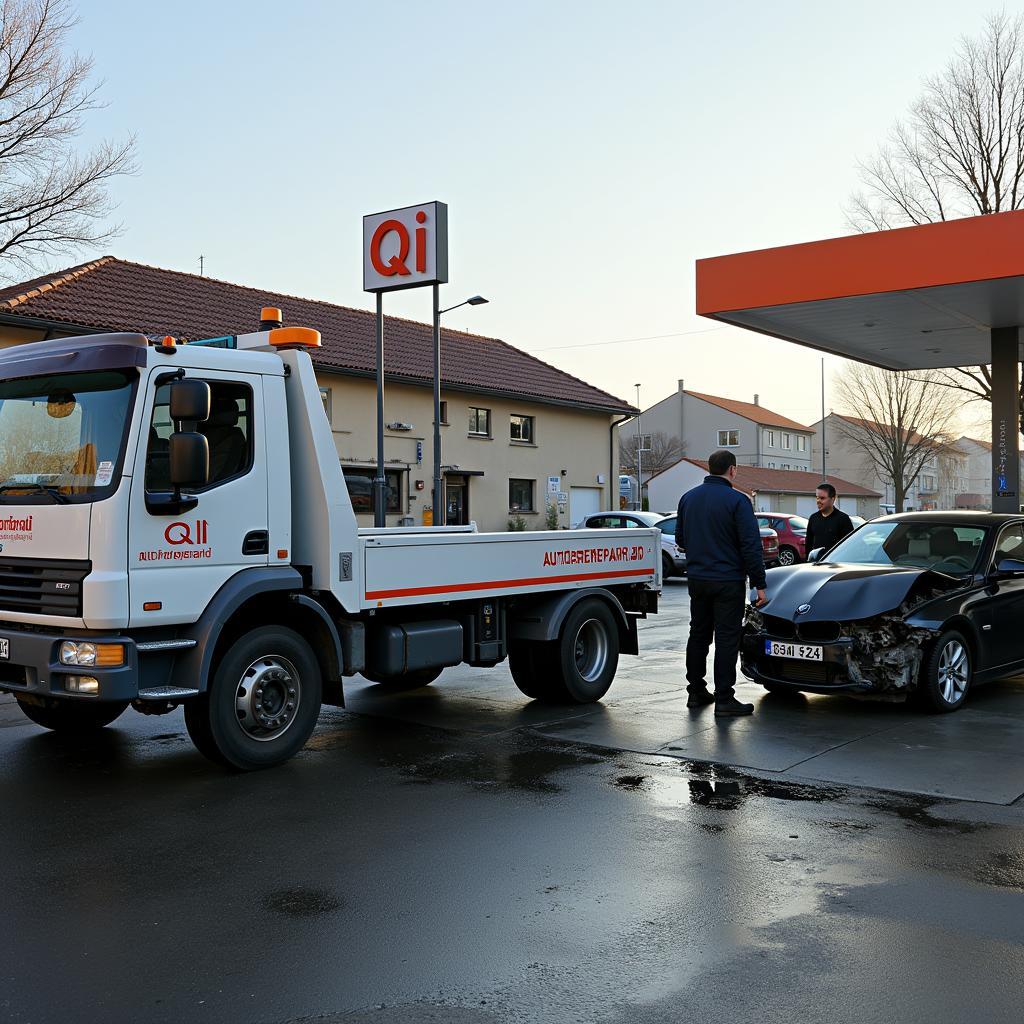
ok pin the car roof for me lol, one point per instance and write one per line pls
(955, 518)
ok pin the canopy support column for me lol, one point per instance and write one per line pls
(1005, 419)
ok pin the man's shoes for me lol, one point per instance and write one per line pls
(700, 698)
(733, 707)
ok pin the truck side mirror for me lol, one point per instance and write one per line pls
(815, 555)
(190, 401)
(189, 457)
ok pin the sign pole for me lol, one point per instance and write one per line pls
(440, 511)
(379, 481)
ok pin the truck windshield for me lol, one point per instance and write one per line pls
(61, 437)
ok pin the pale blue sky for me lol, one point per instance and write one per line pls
(589, 153)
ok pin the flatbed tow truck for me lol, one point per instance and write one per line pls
(175, 529)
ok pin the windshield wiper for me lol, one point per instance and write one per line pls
(58, 498)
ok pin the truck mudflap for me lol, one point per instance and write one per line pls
(541, 618)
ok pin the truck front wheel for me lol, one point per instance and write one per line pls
(262, 702)
(71, 717)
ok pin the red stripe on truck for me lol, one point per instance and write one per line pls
(455, 588)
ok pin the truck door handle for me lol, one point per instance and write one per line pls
(257, 542)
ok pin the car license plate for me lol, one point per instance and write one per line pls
(801, 651)
(5, 649)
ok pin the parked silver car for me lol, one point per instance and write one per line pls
(673, 558)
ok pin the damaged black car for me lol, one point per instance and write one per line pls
(921, 605)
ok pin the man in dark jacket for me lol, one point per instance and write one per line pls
(829, 525)
(717, 529)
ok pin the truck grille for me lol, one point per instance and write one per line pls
(42, 586)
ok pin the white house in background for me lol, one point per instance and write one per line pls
(770, 490)
(704, 423)
(941, 479)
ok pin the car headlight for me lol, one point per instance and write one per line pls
(84, 652)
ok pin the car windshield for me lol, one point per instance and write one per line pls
(944, 547)
(61, 437)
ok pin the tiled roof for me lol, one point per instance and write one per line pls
(114, 295)
(987, 445)
(755, 413)
(783, 481)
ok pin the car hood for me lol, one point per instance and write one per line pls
(834, 591)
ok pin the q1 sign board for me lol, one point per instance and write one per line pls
(405, 248)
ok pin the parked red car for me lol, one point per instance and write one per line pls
(770, 546)
(792, 531)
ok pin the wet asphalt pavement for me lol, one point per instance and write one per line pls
(400, 872)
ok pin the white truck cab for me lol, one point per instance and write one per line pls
(175, 529)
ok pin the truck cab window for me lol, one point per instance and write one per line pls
(228, 432)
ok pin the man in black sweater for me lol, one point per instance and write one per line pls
(829, 525)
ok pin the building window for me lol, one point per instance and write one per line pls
(728, 439)
(360, 489)
(325, 397)
(927, 483)
(801, 443)
(645, 442)
(771, 465)
(769, 438)
(520, 496)
(521, 428)
(479, 421)
(444, 413)
(787, 441)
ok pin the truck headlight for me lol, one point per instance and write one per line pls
(84, 652)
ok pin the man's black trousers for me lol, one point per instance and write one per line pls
(716, 611)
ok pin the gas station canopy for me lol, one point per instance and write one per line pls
(906, 299)
(929, 296)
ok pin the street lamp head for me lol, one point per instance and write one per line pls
(476, 300)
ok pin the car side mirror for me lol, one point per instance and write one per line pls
(815, 555)
(190, 401)
(1008, 568)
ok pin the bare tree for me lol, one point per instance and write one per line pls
(959, 152)
(899, 420)
(664, 451)
(53, 199)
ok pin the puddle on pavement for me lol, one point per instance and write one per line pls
(301, 902)
(1002, 870)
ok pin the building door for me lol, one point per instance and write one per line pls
(456, 490)
(583, 501)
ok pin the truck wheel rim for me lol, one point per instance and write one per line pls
(591, 649)
(267, 698)
(954, 669)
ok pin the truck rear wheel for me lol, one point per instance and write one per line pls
(529, 664)
(579, 666)
(262, 702)
(71, 717)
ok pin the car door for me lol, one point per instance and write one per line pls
(1000, 613)
(177, 562)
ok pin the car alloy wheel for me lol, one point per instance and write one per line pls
(953, 672)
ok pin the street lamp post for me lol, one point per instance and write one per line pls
(639, 455)
(437, 497)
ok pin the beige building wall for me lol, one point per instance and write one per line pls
(567, 441)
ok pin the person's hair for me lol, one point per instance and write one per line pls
(720, 462)
(827, 488)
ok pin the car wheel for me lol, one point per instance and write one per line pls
(788, 556)
(72, 717)
(946, 673)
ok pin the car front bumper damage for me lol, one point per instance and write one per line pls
(881, 656)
